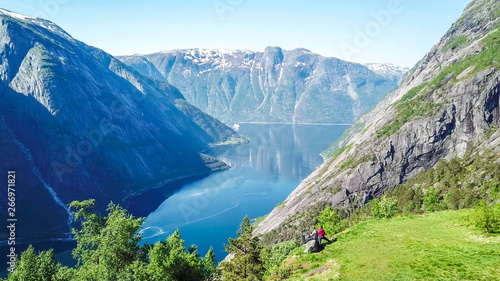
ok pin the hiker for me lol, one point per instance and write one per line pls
(314, 233)
(321, 234)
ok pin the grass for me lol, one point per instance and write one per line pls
(435, 246)
(259, 220)
(456, 42)
(280, 205)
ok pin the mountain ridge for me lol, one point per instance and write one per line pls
(276, 85)
(82, 124)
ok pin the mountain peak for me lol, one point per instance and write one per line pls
(43, 23)
(5, 12)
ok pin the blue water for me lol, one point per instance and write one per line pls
(264, 172)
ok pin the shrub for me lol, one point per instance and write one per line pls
(332, 223)
(487, 218)
(273, 257)
(431, 200)
(384, 207)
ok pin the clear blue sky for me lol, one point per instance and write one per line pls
(327, 27)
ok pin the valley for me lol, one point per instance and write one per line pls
(241, 154)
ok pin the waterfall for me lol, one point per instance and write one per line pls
(52, 192)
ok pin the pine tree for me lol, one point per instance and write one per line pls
(210, 270)
(246, 263)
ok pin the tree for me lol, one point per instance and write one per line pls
(332, 223)
(33, 267)
(169, 260)
(385, 207)
(108, 249)
(210, 270)
(106, 246)
(246, 263)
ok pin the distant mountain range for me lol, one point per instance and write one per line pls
(272, 86)
(76, 123)
(388, 69)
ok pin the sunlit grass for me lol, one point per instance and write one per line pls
(435, 246)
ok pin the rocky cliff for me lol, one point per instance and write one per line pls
(274, 86)
(76, 123)
(446, 105)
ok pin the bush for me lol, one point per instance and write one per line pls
(331, 222)
(487, 218)
(432, 201)
(273, 257)
(384, 207)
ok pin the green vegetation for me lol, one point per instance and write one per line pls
(435, 246)
(273, 258)
(495, 13)
(351, 162)
(454, 184)
(258, 221)
(246, 263)
(384, 207)
(342, 150)
(330, 221)
(108, 249)
(234, 140)
(280, 205)
(416, 102)
(454, 43)
(487, 218)
(411, 105)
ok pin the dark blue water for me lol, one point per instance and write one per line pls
(264, 172)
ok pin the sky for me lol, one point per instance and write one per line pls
(396, 31)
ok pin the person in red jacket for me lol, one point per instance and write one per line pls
(321, 234)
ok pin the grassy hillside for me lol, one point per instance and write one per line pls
(435, 246)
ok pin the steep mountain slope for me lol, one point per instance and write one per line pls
(275, 85)
(446, 106)
(77, 123)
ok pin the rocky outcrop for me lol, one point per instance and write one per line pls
(313, 246)
(77, 124)
(449, 101)
(275, 85)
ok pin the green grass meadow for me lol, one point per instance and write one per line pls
(435, 246)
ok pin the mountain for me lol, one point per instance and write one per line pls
(271, 86)
(388, 69)
(76, 123)
(446, 109)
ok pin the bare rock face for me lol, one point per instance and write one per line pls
(275, 85)
(448, 101)
(78, 124)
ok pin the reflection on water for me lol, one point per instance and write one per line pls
(286, 150)
(263, 173)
